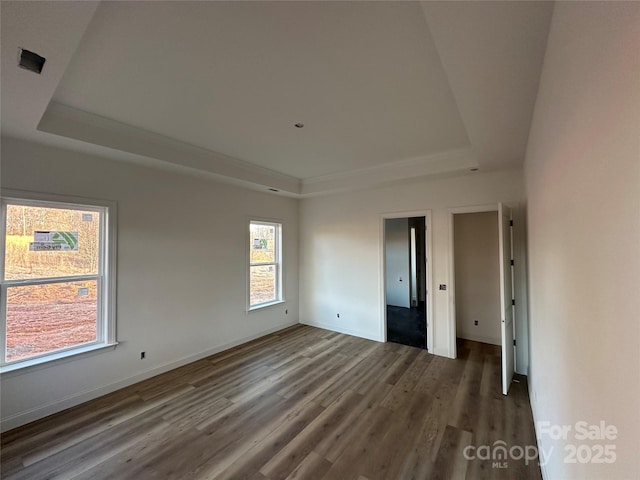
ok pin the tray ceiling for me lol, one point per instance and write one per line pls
(385, 90)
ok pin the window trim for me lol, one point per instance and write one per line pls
(106, 276)
(279, 263)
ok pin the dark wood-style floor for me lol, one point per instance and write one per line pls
(303, 403)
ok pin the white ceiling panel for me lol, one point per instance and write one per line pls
(385, 90)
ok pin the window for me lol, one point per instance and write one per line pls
(57, 278)
(265, 264)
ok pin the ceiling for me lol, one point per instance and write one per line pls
(386, 91)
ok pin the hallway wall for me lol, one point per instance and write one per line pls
(583, 185)
(397, 262)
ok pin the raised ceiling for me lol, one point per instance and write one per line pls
(385, 90)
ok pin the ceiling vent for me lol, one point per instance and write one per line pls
(31, 61)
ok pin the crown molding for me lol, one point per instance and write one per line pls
(164, 152)
(70, 122)
(451, 161)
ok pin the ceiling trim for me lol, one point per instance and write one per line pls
(93, 129)
(451, 161)
(69, 122)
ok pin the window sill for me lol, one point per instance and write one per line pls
(266, 305)
(34, 364)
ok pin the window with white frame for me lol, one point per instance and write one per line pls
(265, 263)
(57, 278)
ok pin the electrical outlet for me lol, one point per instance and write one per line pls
(443, 286)
(143, 355)
(338, 315)
(475, 322)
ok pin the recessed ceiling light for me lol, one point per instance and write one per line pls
(31, 61)
(298, 125)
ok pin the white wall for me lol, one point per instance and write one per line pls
(583, 185)
(181, 272)
(341, 251)
(477, 277)
(397, 261)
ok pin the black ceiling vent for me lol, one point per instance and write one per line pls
(31, 61)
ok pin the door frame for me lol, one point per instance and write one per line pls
(428, 271)
(507, 303)
(452, 330)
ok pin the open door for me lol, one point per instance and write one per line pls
(506, 296)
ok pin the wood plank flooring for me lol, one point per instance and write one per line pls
(303, 403)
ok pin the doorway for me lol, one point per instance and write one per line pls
(477, 277)
(482, 274)
(405, 269)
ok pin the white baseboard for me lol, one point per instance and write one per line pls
(341, 329)
(442, 352)
(356, 333)
(543, 470)
(42, 411)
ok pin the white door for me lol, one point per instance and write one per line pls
(506, 296)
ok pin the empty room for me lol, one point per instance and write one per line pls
(321, 240)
